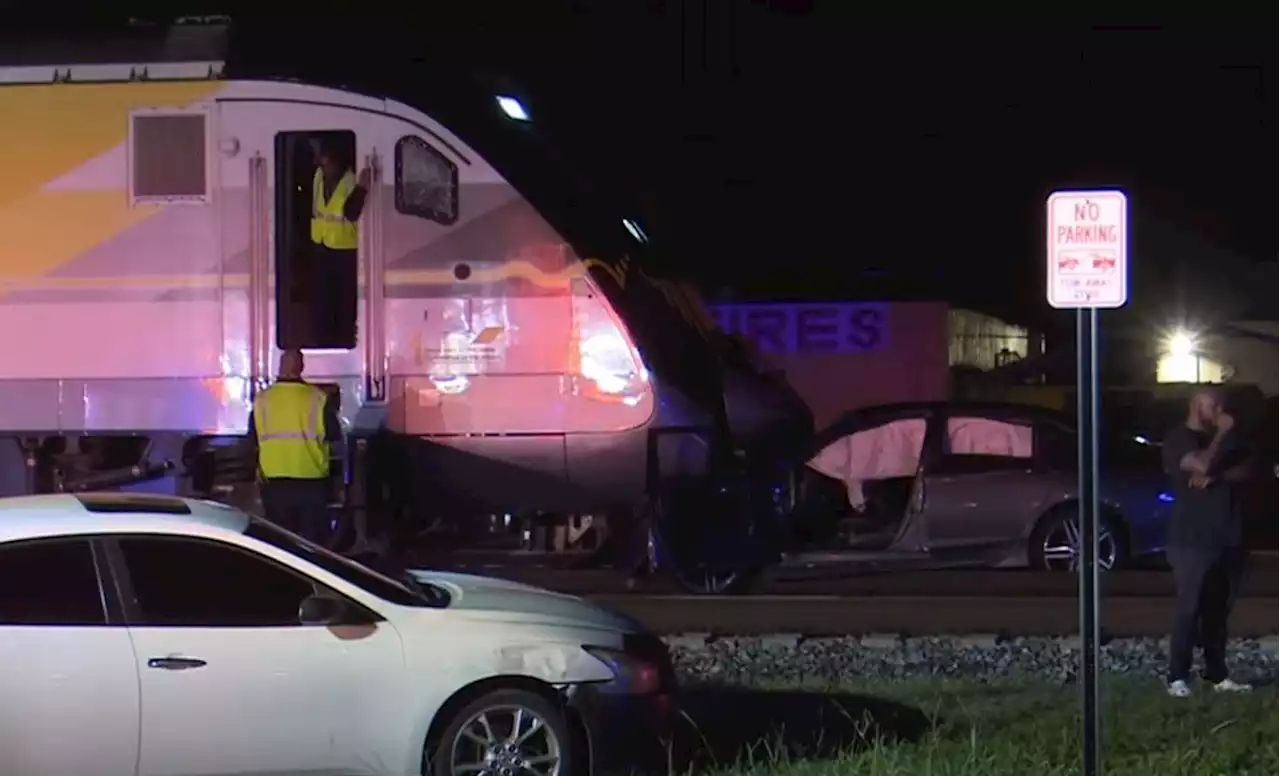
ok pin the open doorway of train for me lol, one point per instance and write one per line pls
(316, 285)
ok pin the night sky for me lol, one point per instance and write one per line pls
(784, 150)
(786, 153)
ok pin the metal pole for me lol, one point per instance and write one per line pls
(1087, 412)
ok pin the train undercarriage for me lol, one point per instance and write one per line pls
(220, 469)
(691, 525)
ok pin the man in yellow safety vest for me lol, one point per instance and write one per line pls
(337, 200)
(295, 428)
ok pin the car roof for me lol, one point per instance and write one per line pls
(878, 413)
(982, 407)
(66, 514)
(863, 418)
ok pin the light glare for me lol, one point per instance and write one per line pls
(1180, 344)
(513, 108)
(635, 231)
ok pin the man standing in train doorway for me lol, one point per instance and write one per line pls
(337, 200)
(295, 427)
(1206, 459)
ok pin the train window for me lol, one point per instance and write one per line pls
(426, 182)
(168, 157)
(317, 264)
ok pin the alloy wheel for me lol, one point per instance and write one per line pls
(707, 582)
(1062, 547)
(506, 741)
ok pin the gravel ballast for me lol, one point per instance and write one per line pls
(794, 659)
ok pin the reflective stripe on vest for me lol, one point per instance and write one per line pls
(329, 227)
(289, 421)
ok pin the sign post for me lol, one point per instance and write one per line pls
(1088, 270)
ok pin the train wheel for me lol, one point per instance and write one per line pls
(588, 541)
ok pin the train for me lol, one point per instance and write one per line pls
(515, 353)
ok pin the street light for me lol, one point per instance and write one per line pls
(1180, 361)
(1180, 343)
(514, 109)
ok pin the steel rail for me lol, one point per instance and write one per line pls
(916, 615)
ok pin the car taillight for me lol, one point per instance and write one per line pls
(632, 674)
(607, 360)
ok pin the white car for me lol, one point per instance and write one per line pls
(166, 637)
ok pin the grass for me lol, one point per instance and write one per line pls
(970, 729)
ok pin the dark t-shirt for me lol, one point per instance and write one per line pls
(1204, 518)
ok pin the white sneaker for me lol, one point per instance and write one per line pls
(1179, 689)
(1227, 685)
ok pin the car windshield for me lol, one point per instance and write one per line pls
(405, 591)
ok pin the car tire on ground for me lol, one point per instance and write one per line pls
(1056, 523)
(701, 581)
(483, 730)
(704, 549)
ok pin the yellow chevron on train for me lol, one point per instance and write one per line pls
(60, 141)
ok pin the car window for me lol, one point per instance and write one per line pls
(1055, 446)
(50, 582)
(405, 592)
(885, 451)
(988, 437)
(198, 583)
(1135, 453)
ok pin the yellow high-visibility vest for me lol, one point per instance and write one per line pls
(289, 421)
(329, 227)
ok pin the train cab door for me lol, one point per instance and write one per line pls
(309, 288)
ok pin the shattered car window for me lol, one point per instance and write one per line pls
(879, 453)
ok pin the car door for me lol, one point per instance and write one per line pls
(231, 682)
(68, 677)
(982, 490)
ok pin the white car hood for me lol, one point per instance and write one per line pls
(502, 600)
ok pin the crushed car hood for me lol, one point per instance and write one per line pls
(502, 600)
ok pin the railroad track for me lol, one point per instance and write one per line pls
(928, 603)
(923, 584)
(921, 603)
(917, 615)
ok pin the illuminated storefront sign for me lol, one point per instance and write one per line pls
(850, 327)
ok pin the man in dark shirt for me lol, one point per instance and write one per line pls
(1205, 460)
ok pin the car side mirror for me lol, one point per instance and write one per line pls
(321, 610)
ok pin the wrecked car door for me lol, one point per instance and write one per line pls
(982, 490)
(878, 468)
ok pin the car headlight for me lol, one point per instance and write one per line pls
(632, 674)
